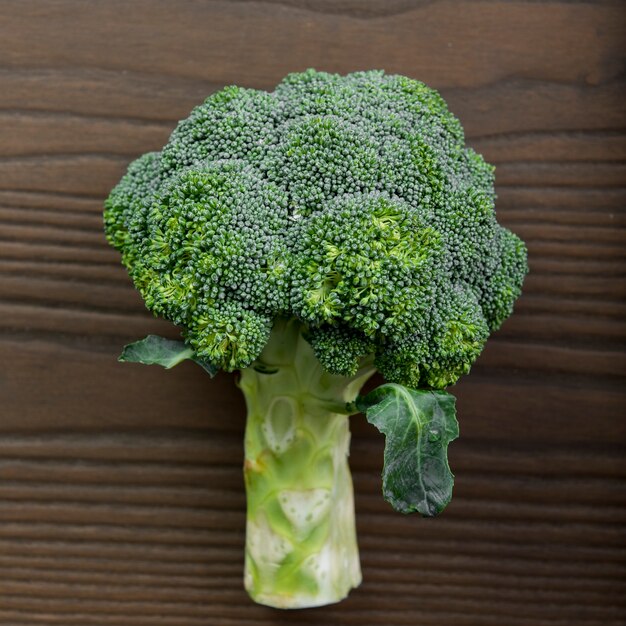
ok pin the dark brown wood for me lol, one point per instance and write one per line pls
(121, 495)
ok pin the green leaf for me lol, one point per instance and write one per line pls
(418, 426)
(154, 350)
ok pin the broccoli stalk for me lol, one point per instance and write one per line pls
(308, 238)
(301, 547)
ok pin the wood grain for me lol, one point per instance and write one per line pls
(121, 495)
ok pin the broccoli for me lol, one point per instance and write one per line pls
(308, 238)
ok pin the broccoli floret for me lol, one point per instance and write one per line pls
(453, 335)
(309, 237)
(340, 349)
(127, 206)
(368, 262)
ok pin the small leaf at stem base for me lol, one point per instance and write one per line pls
(154, 350)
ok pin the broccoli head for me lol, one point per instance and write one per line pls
(348, 202)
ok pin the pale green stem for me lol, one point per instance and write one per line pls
(301, 547)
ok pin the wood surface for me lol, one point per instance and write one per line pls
(121, 495)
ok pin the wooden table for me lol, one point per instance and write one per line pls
(121, 496)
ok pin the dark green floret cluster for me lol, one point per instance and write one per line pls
(348, 202)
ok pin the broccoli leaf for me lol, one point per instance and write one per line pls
(154, 350)
(418, 425)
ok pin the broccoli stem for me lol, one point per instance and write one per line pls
(301, 547)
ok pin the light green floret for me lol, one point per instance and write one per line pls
(443, 349)
(367, 261)
(127, 205)
(228, 334)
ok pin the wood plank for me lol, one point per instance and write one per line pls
(136, 483)
(582, 199)
(37, 133)
(58, 173)
(491, 504)
(534, 42)
(553, 146)
(185, 398)
(66, 219)
(200, 574)
(586, 174)
(54, 252)
(174, 584)
(464, 596)
(182, 454)
(590, 216)
(57, 202)
(375, 605)
(505, 107)
(57, 235)
(447, 557)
